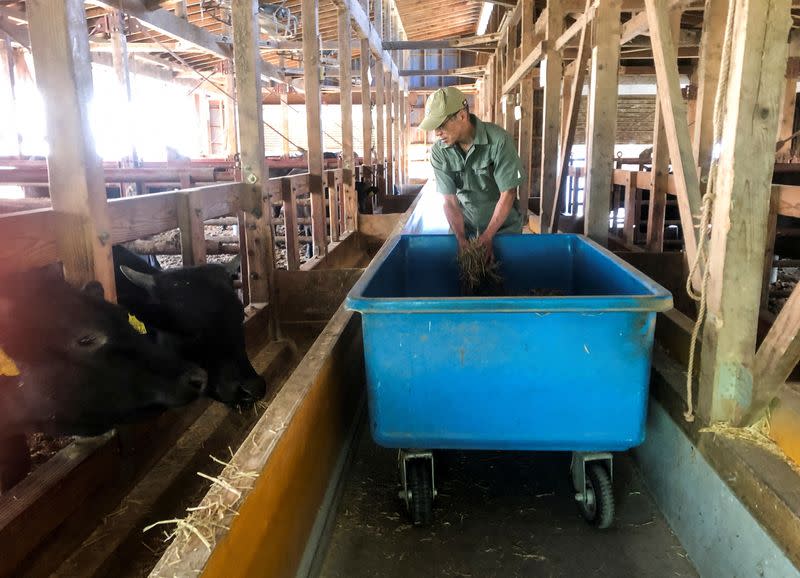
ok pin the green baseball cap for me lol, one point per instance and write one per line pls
(440, 105)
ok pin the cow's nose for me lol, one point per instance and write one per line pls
(255, 387)
(195, 379)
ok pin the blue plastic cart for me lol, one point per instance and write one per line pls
(512, 372)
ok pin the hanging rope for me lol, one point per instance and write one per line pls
(708, 202)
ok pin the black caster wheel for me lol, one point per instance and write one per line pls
(597, 507)
(420, 491)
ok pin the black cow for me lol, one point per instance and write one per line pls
(195, 312)
(366, 195)
(72, 364)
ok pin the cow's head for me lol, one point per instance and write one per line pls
(196, 311)
(76, 365)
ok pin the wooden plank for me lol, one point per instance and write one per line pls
(27, 240)
(601, 120)
(311, 77)
(135, 217)
(366, 108)
(575, 28)
(742, 193)
(60, 46)
(390, 105)
(675, 123)
(289, 196)
(631, 216)
(218, 200)
(190, 222)
(634, 27)
(572, 123)
(258, 246)
(551, 124)
(346, 103)
(380, 122)
(397, 133)
(777, 357)
(716, 12)
(58, 488)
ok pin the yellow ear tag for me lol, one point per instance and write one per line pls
(7, 366)
(136, 324)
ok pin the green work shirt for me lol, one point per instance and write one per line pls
(478, 176)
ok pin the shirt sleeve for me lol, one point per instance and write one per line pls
(507, 165)
(445, 183)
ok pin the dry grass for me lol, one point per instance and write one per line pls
(475, 268)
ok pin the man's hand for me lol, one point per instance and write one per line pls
(487, 242)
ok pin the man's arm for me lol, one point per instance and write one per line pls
(452, 210)
(501, 211)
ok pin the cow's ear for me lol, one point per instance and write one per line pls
(142, 280)
(95, 289)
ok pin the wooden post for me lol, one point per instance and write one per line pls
(231, 143)
(511, 98)
(631, 208)
(346, 104)
(60, 47)
(380, 122)
(333, 205)
(119, 56)
(571, 122)
(399, 125)
(284, 96)
(741, 207)
(258, 246)
(311, 78)
(7, 58)
(659, 174)
(676, 125)
(526, 108)
(601, 120)
(190, 222)
(552, 63)
(366, 103)
(714, 17)
(389, 132)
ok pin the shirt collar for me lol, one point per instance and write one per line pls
(480, 132)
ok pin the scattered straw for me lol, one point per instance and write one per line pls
(181, 524)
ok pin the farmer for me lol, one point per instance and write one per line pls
(477, 169)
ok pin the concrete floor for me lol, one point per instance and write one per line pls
(503, 515)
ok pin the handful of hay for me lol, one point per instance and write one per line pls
(476, 270)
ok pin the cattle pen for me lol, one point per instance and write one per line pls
(659, 148)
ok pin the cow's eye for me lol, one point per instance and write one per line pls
(87, 340)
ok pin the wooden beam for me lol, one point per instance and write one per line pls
(258, 245)
(60, 46)
(783, 150)
(551, 124)
(387, 78)
(311, 76)
(659, 177)
(346, 103)
(466, 71)
(741, 206)
(631, 216)
(190, 222)
(568, 136)
(366, 105)
(486, 41)
(526, 66)
(675, 123)
(634, 27)
(380, 126)
(601, 120)
(167, 23)
(397, 133)
(715, 15)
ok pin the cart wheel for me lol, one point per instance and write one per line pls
(598, 507)
(420, 488)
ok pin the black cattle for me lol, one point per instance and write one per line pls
(72, 364)
(195, 312)
(366, 195)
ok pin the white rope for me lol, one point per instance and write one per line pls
(708, 202)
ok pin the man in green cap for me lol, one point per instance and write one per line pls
(477, 169)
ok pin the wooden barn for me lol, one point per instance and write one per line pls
(239, 334)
